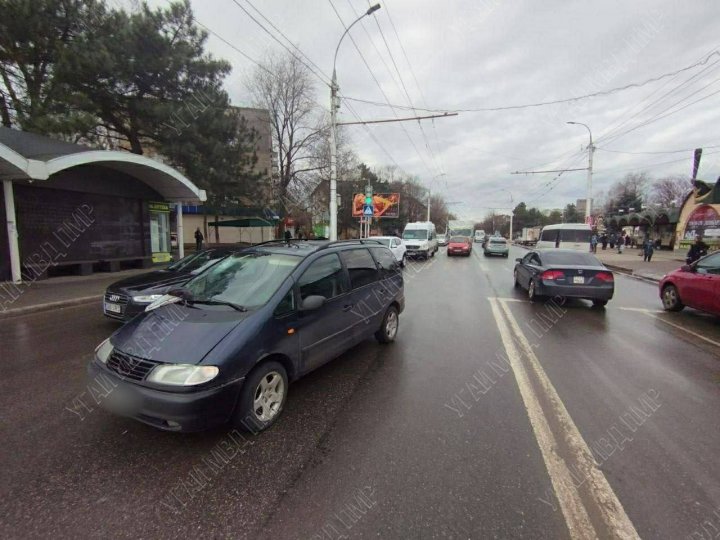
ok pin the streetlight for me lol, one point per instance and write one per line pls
(591, 149)
(512, 212)
(334, 106)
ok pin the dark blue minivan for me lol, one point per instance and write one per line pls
(225, 346)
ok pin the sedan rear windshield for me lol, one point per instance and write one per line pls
(498, 241)
(248, 279)
(575, 258)
(458, 240)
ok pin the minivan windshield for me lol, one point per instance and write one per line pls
(247, 279)
(415, 234)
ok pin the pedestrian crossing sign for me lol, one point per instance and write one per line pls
(367, 210)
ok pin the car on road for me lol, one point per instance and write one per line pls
(695, 285)
(496, 245)
(564, 272)
(459, 245)
(479, 236)
(565, 236)
(126, 298)
(442, 239)
(395, 245)
(225, 346)
(420, 239)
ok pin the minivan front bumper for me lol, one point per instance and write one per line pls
(171, 411)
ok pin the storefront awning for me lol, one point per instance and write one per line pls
(244, 222)
(28, 156)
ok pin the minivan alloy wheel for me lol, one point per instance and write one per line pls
(391, 324)
(268, 397)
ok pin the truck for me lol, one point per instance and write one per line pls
(529, 236)
(460, 228)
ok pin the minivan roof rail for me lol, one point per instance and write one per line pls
(349, 242)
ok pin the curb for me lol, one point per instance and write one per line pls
(629, 273)
(49, 306)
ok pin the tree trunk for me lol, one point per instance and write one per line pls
(4, 112)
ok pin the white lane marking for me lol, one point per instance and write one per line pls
(508, 299)
(651, 313)
(602, 498)
(641, 310)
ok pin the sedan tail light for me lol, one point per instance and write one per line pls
(605, 276)
(552, 274)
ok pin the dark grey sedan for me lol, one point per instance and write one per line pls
(564, 272)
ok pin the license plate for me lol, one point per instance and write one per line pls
(578, 279)
(113, 308)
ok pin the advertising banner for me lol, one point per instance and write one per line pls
(385, 205)
(703, 221)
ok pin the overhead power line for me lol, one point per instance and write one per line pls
(544, 103)
(290, 51)
(657, 151)
(374, 78)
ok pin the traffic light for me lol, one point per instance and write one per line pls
(368, 200)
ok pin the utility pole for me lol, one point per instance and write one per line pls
(428, 208)
(591, 149)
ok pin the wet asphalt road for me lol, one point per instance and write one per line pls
(399, 441)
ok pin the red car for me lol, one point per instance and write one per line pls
(459, 245)
(694, 285)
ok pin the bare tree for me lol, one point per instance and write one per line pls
(669, 191)
(628, 192)
(283, 86)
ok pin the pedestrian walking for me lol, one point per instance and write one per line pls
(288, 235)
(612, 239)
(604, 241)
(593, 243)
(621, 243)
(628, 241)
(198, 239)
(697, 250)
(648, 249)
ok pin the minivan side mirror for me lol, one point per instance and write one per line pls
(312, 302)
(687, 268)
(519, 260)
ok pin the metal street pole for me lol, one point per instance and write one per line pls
(591, 149)
(334, 105)
(428, 208)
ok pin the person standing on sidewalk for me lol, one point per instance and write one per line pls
(198, 239)
(697, 250)
(621, 242)
(648, 249)
(593, 243)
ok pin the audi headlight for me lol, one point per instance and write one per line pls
(182, 374)
(146, 298)
(104, 350)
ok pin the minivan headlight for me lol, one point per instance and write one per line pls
(104, 350)
(146, 298)
(182, 374)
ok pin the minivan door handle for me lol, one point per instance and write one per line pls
(347, 307)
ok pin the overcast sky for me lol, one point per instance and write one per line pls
(490, 53)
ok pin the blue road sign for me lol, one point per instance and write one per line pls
(367, 210)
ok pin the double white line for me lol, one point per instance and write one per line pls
(590, 507)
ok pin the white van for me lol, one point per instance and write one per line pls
(420, 239)
(479, 236)
(565, 236)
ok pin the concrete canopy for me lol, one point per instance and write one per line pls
(27, 156)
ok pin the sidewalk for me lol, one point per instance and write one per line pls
(631, 262)
(53, 293)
